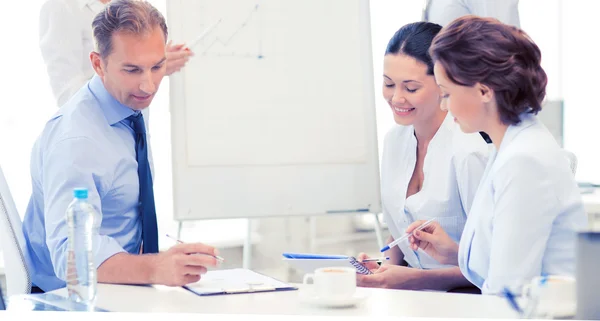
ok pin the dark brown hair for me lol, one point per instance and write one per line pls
(474, 50)
(414, 40)
(133, 16)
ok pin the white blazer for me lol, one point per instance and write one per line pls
(453, 167)
(525, 215)
(443, 12)
(66, 40)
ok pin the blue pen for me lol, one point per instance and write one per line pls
(511, 299)
(400, 239)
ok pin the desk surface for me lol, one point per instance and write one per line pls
(591, 202)
(591, 197)
(380, 302)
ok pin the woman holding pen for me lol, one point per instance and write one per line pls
(527, 209)
(430, 168)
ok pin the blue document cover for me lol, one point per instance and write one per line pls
(308, 262)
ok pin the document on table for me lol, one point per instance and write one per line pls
(232, 281)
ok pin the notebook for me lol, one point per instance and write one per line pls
(235, 281)
(310, 262)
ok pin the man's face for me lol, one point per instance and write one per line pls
(133, 70)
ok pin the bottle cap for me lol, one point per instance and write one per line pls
(80, 193)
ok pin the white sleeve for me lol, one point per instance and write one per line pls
(525, 207)
(60, 42)
(443, 12)
(507, 11)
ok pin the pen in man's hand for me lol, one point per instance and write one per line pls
(220, 259)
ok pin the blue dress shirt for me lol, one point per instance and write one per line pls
(87, 143)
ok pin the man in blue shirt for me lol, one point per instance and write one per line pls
(97, 141)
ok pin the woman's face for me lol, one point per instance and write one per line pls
(465, 103)
(411, 93)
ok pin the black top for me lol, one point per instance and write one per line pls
(486, 137)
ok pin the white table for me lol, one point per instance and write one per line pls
(380, 302)
(592, 207)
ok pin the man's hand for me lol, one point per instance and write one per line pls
(183, 264)
(177, 57)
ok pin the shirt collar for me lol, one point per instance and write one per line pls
(444, 132)
(527, 120)
(113, 110)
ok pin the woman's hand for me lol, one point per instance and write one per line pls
(391, 277)
(372, 266)
(434, 241)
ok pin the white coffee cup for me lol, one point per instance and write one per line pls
(333, 282)
(551, 296)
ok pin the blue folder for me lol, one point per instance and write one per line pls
(308, 261)
(314, 256)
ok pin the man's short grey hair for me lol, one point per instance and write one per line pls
(137, 17)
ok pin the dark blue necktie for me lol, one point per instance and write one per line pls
(146, 204)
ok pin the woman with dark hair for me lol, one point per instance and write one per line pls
(527, 209)
(429, 168)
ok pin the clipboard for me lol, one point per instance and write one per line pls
(236, 281)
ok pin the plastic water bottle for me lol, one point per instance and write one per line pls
(83, 222)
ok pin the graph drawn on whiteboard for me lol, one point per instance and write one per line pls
(282, 110)
(238, 34)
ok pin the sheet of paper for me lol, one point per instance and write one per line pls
(235, 280)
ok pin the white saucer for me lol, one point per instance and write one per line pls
(564, 312)
(309, 297)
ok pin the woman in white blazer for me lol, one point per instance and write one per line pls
(527, 209)
(429, 168)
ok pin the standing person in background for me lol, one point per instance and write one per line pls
(443, 12)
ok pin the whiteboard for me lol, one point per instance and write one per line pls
(275, 113)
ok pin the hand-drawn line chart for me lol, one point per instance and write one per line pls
(238, 35)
